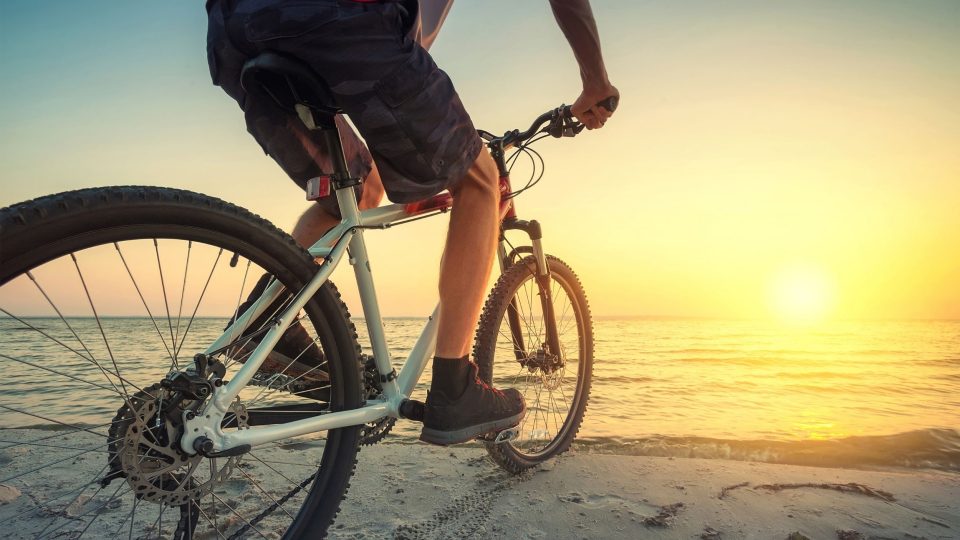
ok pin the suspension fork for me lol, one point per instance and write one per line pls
(533, 230)
(513, 314)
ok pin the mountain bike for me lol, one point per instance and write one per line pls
(163, 424)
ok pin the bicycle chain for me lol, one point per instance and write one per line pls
(270, 509)
(371, 433)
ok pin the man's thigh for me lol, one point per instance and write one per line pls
(404, 106)
(299, 152)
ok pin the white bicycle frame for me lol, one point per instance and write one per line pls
(332, 248)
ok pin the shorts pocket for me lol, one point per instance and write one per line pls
(288, 19)
(420, 96)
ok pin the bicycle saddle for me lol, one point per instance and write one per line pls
(292, 85)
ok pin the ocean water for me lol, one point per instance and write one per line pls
(851, 394)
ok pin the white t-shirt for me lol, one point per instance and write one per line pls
(430, 18)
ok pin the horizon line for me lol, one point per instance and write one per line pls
(596, 317)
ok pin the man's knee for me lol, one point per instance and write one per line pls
(372, 190)
(481, 176)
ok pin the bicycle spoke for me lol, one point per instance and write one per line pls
(557, 424)
(206, 517)
(158, 524)
(78, 491)
(101, 507)
(100, 326)
(166, 304)
(258, 398)
(173, 358)
(233, 358)
(213, 472)
(243, 285)
(529, 341)
(531, 334)
(68, 458)
(59, 314)
(103, 370)
(271, 497)
(50, 420)
(133, 510)
(197, 307)
(64, 433)
(55, 372)
(238, 514)
(39, 445)
(183, 291)
(69, 521)
(266, 463)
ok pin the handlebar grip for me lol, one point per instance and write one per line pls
(610, 103)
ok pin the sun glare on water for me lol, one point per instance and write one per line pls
(802, 294)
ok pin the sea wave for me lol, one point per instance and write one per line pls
(935, 448)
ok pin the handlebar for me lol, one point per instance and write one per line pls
(560, 123)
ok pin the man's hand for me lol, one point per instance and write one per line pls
(587, 109)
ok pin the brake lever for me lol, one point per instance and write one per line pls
(571, 127)
(564, 128)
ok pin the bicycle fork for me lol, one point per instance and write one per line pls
(535, 233)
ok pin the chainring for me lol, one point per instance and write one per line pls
(373, 432)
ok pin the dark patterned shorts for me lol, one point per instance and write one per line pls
(403, 105)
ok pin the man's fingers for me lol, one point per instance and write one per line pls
(594, 117)
(601, 112)
(589, 119)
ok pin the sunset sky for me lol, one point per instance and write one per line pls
(769, 158)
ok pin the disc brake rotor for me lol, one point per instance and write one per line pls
(145, 449)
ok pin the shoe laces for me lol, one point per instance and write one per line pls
(483, 384)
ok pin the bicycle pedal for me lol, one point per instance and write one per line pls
(500, 437)
(412, 409)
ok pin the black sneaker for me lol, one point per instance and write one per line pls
(480, 410)
(296, 355)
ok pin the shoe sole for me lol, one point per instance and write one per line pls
(446, 438)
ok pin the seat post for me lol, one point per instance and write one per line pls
(331, 138)
(346, 196)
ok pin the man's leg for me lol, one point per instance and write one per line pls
(468, 256)
(459, 407)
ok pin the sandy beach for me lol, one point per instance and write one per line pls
(415, 491)
(458, 493)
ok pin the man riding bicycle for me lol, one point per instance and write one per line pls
(419, 141)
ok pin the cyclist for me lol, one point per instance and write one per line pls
(419, 142)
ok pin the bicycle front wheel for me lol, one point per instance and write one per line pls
(103, 292)
(511, 350)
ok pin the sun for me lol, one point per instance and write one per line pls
(802, 294)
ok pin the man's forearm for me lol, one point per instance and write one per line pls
(576, 22)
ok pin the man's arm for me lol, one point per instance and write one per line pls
(575, 19)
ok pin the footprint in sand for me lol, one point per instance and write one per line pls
(648, 514)
(592, 501)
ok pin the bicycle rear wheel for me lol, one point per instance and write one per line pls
(511, 351)
(102, 293)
